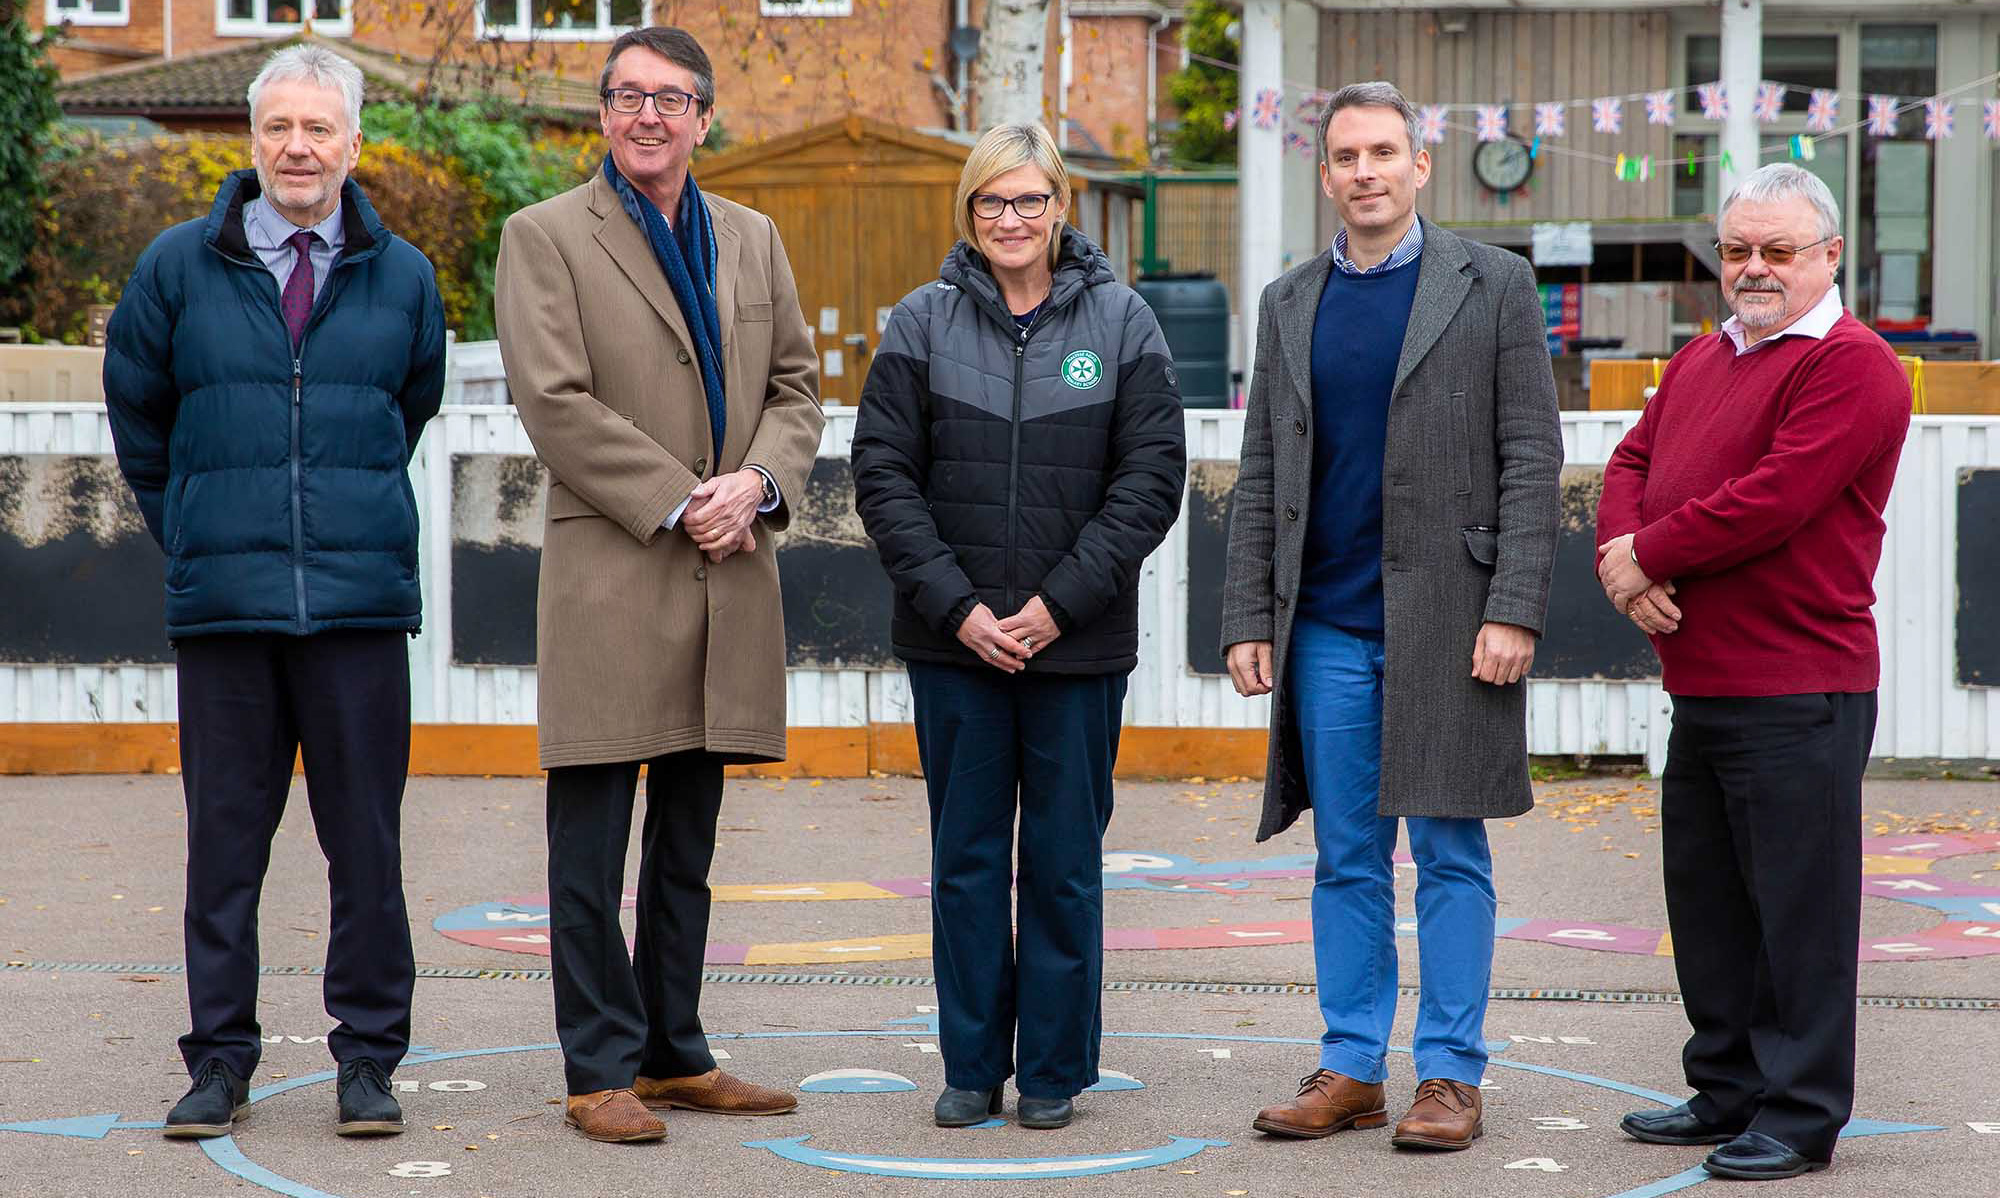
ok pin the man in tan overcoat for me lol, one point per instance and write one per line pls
(656, 352)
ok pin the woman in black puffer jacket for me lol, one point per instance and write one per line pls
(1019, 452)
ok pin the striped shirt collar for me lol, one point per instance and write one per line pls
(1406, 252)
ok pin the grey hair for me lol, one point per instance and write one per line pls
(1376, 94)
(1785, 181)
(677, 46)
(312, 64)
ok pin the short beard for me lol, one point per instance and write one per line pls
(1758, 319)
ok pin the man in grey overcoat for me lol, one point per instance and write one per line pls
(1390, 547)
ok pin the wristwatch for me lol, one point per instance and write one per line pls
(770, 488)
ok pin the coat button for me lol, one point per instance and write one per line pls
(1282, 601)
(701, 466)
(1299, 427)
(682, 357)
(700, 572)
(1291, 513)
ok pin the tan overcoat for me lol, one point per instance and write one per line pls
(646, 647)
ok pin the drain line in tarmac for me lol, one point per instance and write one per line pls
(1498, 994)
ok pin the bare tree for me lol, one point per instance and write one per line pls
(1007, 86)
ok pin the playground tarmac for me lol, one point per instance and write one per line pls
(820, 981)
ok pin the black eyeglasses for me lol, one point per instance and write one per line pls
(1773, 255)
(666, 102)
(1027, 207)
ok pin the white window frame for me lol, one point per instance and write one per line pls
(805, 8)
(525, 31)
(260, 26)
(57, 16)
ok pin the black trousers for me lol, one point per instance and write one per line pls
(1762, 841)
(1042, 744)
(621, 1017)
(248, 705)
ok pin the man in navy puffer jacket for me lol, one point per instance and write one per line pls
(267, 373)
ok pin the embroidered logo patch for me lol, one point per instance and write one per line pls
(1082, 370)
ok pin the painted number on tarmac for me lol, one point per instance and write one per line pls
(1985, 1129)
(1560, 1123)
(439, 1169)
(1540, 1164)
(455, 1086)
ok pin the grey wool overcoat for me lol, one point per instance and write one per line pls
(1469, 509)
(645, 646)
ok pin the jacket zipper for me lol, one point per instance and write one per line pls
(298, 519)
(1014, 469)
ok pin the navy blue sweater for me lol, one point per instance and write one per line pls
(1357, 338)
(275, 479)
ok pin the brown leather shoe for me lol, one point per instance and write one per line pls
(1445, 1116)
(1328, 1102)
(715, 1092)
(613, 1116)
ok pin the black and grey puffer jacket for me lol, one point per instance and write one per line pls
(992, 465)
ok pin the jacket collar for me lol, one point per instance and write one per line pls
(1445, 272)
(1079, 264)
(223, 230)
(625, 243)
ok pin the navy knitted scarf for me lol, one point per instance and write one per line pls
(687, 257)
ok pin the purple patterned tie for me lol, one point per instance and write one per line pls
(297, 301)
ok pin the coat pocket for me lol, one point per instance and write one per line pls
(1458, 430)
(1482, 542)
(747, 310)
(565, 504)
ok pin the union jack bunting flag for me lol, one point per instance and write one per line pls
(1310, 105)
(1551, 119)
(1264, 113)
(1430, 121)
(1608, 115)
(1714, 101)
(1824, 110)
(1993, 120)
(1770, 101)
(1882, 116)
(1492, 121)
(1229, 120)
(1660, 108)
(1938, 119)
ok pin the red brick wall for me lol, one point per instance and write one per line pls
(773, 75)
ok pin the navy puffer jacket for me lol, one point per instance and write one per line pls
(277, 485)
(994, 464)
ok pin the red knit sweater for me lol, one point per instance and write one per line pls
(1757, 483)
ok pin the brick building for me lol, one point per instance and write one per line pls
(781, 65)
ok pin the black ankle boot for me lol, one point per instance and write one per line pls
(963, 1108)
(1045, 1112)
(366, 1106)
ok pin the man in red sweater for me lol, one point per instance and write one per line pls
(1741, 525)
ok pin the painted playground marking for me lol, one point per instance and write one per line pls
(227, 1155)
(1894, 867)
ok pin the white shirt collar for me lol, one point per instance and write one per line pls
(1816, 323)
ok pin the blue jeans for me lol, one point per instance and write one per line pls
(1335, 692)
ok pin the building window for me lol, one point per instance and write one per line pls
(805, 8)
(89, 12)
(1885, 186)
(1801, 60)
(263, 18)
(1892, 221)
(561, 20)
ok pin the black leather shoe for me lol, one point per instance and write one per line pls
(217, 1099)
(366, 1106)
(963, 1108)
(1754, 1156)
(1675, 1125)
(1045, 1112)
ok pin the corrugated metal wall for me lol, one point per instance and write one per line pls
(1924, 713)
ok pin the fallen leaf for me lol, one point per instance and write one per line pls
(440, 1127)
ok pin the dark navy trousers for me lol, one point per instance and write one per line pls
(249, 705)
(1023, 1002)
